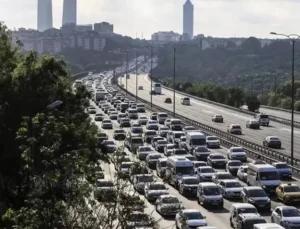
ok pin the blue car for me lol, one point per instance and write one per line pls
(283, 169)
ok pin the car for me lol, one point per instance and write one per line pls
(101, 137)
(113, 115)
(105, 190)
(155, 139)
(242, 173)
(201, 153)
(111, 110)
(174, 136)
(216, 160)
(152, 159)
(212, 142)
(190, 218)
(221, 176)
(272, 142)
(168, 150)
(119, 134)
(143, 151)
(190, 157)
(240, 208)
(132, 113)
(135, 124)
(135, 219)
(286, 216)
(288, 193)
(232, 166)
(189, 129)
(140, 180)
(92, 110)
(168, 205)
(120, 116)
(179, 152)
(124, 168)
(205, 173)
(168, 100)
(160, 145)
(125, 122)
(136, 131)
(168, 122)
(252, 124)
(106, 124)
(98, 117)
(256, 196)
(153, 190)
(217, 118)
(237, 153)
(182, 142)
(185, 101)
(161, 117)
(109, 145)
(209, 195)
(130, 201)
(188, 185)
(143, 120)
(153, 116)
(141, 88)
(283, 169)
(140, 107)
(230, 189)
(234, 129)
(152, 125)
(149, 135)
(197, 164)
(162, 131)
(161, 166)
(152, 92)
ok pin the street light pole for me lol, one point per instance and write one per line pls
(126, 69)
(262, 89)
(293, 38)
(275, 88)
(136, 78)
(252, 86)
(174, 82)
(151, 56)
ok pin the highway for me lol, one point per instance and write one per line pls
(217, 218)
(202, 112)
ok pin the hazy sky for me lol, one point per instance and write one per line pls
(221, 18)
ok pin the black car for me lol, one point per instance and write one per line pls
(119, 134)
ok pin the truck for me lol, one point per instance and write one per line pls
(100, 96)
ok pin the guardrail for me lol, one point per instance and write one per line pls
(226, 139)
(272, 118)
(279, 109)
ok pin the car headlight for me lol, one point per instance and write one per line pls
(251, 200)
(268, 200)
(286, 222)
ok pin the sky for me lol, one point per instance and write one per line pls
(141, 18)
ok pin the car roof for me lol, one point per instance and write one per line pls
(168, 196)
(208, 184)
(289, 184)
(286, 207)
(216, 154)
(231, 180)
(221, 172)
(190, 210)
(242, 205)
(253, 188)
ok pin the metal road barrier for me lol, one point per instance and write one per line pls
(226, 139)
(272, 118)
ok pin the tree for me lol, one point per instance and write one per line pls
(252, 103)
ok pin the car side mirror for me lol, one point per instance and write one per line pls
(204, 217)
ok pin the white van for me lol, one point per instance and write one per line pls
(263, 119)
(185, 101)
(161, 117)
(194, 139)
(263, 175)
(157, 88)
(177, 167)
(267, 226)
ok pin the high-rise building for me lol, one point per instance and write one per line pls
(44, 20)
(69, 12)
(188, 19)
(104, 27)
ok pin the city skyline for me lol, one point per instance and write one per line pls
(69, 12)
(218, 18)
(44, 15)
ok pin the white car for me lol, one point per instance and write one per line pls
(152, 125)
(221, 176)
(189, 218)
(234, 129)
(168, 205)
(230, 189)
(155, 189)
(286, 216)
(143, 120)
(168, 150)
(242, 173)
(160, 145)
(168, 122)
(185, 101)
(212, 142)
(106, 124)
(143, 151)
(232, 166)
(237, 153)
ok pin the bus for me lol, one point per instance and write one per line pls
(157, 88)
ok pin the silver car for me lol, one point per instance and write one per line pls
(168, 205)
(154, 190)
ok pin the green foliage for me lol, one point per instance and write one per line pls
(252, 103)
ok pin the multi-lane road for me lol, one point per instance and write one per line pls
(217, 218)
(203, 111)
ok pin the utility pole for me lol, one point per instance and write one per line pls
(136, 78)
(126, 68)
(174, 81)
(151, 51)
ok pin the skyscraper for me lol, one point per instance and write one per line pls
(44, 20)
(188, 19)
(69, 12)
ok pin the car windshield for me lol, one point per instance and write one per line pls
(164, 128)
(211, 191)
(207, 170)
(132, 111)
(264, 116)
(225, 176)
(162, 142)
(144, 179)
(235, 163)
(176, 122)
(140, 105)
(162, 115)
(125, 166)
(137, 141)
(180, 152)
(193, 215)
(185, 170)
(178, 135)
(250, 222)
(257, 193)
(170, 200)
(217, 157)
(151, 133)
(268, 176)
(109, 143)
(105, 184)
(212, 138)
(293, 212)
(157, 187)
(138, 218)
(282, 166)
(106, 121)
(189, 128)
(201, 149)
(191, 158)
(246, 210)
(236, 127)
(183, 139)
(191, 181)
(143, 118)
(236, 150)
(291, 189)
(155, 156)
(198, 142)
(233, 184)
(145, 149)
(137, 130)
(163, 164)
(119, 131)
(274, 139)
